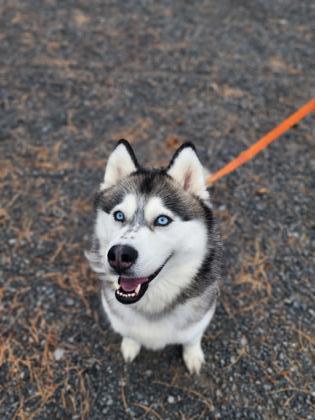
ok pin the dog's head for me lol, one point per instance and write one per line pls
(151, 225)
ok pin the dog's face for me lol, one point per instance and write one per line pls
(150, 225)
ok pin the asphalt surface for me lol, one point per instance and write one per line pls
(75, 77)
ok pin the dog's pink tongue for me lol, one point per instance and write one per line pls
(129, 284)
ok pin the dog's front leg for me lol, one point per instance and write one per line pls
(193, 355)
(130, 349)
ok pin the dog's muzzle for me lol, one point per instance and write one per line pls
(131, 289)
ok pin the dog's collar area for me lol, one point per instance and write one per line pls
(131, 289)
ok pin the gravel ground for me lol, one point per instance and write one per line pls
(75, 77)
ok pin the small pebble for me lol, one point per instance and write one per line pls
(170, 399)
(58, 354)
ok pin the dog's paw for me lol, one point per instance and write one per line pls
(130, 349)
(193, 358)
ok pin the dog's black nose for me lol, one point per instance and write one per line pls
(122, 257)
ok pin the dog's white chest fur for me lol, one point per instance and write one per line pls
(179, 326)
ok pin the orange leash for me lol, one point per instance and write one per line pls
(263, 142)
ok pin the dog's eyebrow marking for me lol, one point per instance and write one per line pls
(178, 204)
(108, 199)
(128, 206)
(155, 207)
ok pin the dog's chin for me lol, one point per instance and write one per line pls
(132, 289)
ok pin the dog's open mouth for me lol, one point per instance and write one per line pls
(131, 289)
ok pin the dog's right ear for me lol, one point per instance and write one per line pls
(121, 163)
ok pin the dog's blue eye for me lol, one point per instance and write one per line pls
(119, 216)
(162, 220)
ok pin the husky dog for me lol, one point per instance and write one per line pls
(158, 253)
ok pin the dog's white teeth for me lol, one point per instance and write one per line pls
(138, 289)
(125, 294)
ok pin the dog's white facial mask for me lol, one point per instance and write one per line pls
(165, 241)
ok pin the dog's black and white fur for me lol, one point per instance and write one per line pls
(158, 253)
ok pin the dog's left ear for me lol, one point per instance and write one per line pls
(186, 168)
(121, 163)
